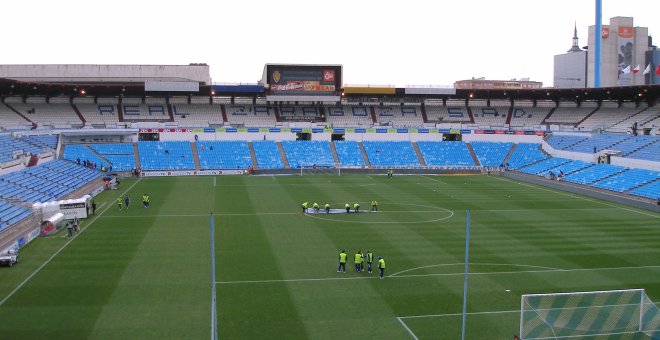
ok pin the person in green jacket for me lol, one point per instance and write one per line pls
(119, 203)
(327, 208)
(348, 208)
(304, 207)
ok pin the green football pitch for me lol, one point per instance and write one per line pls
(147, 273)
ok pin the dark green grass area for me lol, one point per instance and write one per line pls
(146, 273)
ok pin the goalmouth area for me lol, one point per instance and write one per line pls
(147, 272)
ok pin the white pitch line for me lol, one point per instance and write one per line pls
(62, 248)
(457, 314)
(435, 180)
(475, 263)
(557, 191)
(408, 329)
(442, 274)
(214, 182)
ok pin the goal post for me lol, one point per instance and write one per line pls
(310, 168)
(588, 315)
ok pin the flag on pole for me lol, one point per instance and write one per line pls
(626, 70)
(636, 69)
(657, 71)
(647, 70)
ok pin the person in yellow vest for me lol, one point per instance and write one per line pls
(381, 266)
(119, 203)
(348, 208)
(316, 207)
(358, 261)
(342, 261)
(370, 260)
(304, 207)
(356, 207)
(374, 205)
(327, 208)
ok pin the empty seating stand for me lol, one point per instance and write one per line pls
(561, 142)
(267, 154)
(50, 181)
(120, 155)
(628, 179)
(308, 153)
(165, 155)
(593, 174)
(491, 153)
(390, 154)
(223, 155)
(651, 190)
(349, 154)
(445, 153)
(525, 154)
(11, 214)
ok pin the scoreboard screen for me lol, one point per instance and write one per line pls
(303, 79)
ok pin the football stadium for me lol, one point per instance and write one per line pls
(149, 202)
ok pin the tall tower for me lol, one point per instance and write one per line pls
(575, 47)
(571, 68)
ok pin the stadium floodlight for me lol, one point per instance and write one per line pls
(589, 315)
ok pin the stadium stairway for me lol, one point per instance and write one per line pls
(372, 113)
(419, 154)
(334, 153)
(282, 153)
(425, 118)
(253, 155)
(278, 118)
(475, 159)
(79, 114)
(195, 156)
(364, 155)
(586, 117)
(508, 155)
(548, 115)
(469, 111)
(170, 112)
(509, 115)
(98, 155)
(223, 110)
(34, 125)
(120, 114)
(136, 154)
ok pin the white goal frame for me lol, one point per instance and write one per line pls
(642, 294)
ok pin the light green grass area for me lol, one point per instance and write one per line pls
(146, 273)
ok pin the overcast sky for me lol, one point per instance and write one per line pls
(383, 42)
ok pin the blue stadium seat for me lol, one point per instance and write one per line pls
(390, 154)
(223, 155)
(267, 154)
(491, 153)
(525, 154)
(627, 180)
(308, 153)
(445, 153)
(593, 174)
(165, 155)
(349, 153)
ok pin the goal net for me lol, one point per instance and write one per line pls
(616, 314)
(312, 169)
